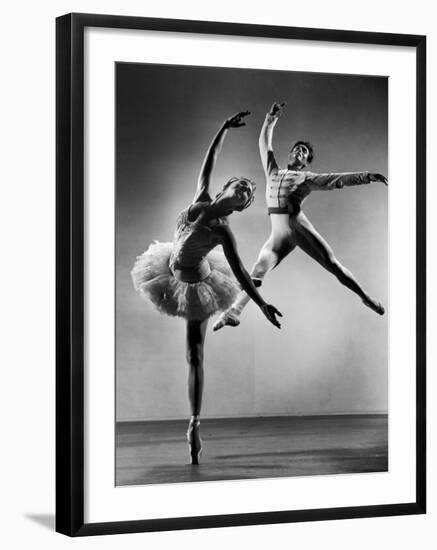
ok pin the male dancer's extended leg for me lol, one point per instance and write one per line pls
(271, 254)
(311, 242)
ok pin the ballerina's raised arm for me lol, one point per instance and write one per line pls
(204, 181)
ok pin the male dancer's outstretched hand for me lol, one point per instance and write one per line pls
(270, 312)
(378, 177)
(276, 109)
(237, 120)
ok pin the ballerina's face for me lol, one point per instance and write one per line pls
(236, 194)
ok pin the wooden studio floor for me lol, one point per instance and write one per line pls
(247, 448)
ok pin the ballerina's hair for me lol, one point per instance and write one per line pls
(252, 195)
(308, 146)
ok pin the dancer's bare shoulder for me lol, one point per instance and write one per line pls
(197, 209)
(221, 230)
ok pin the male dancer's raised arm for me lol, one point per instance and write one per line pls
(266, 137)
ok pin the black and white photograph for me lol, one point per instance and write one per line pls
(218, 275)
(252, 274)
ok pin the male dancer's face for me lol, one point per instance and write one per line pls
(298, 157)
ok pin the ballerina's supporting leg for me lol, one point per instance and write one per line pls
(311, 242)
(196, 331)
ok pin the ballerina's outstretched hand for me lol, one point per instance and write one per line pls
(236, 121)
(271, 312)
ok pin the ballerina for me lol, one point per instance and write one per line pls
(189, 279)
(285, 192)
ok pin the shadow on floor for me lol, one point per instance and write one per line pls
(46, 520)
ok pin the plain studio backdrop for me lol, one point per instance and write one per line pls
(331, 354)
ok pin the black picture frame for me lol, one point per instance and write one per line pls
(70, 273)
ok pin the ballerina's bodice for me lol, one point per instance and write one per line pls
(192, 242)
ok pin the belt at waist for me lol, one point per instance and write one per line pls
(192, 274)
(290, 208)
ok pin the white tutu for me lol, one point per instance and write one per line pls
(154, 281)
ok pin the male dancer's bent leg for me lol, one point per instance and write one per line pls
(271, 254)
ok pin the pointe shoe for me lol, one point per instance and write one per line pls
(380, 309)
(194, 441)
(377, 307)
(227, 318)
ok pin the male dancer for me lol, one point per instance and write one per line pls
(285, 192)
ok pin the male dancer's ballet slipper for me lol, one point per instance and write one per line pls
(227, 318)
(377, 307)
